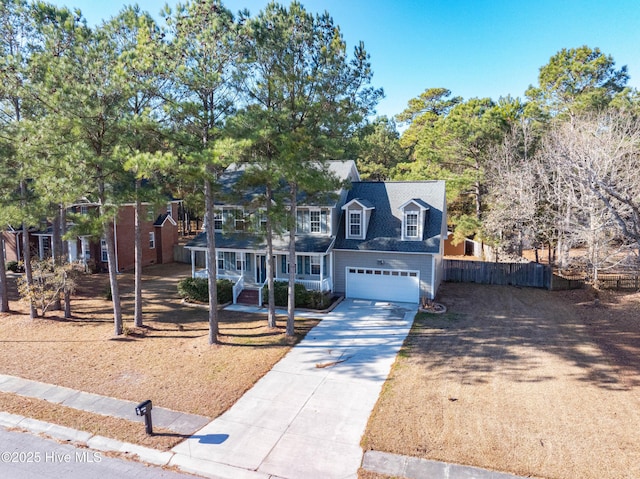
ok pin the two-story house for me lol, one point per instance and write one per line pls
(375, 240)
(159, 234)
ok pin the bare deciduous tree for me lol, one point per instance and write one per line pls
(595, 165)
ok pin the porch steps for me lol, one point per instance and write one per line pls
(248, 296)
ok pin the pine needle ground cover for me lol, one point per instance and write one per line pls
(525, 381)
(169, 360)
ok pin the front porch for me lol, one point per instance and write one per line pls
(248, 271)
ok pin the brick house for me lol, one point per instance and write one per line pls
(159, 236)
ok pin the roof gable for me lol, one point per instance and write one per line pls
(416, 201)
(364, 204)
(162, 219)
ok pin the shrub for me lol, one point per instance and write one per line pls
(13, 266)
(225, 291)
(280, 292)
(318, 300)
(197, 289)
(194, 289)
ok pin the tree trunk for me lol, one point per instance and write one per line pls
(65, 255)
(4, 290)
(211, 259)
(137, 313)
(26, 254)
(271, 315)
(56, 246)
(113, 278)
(291, 304)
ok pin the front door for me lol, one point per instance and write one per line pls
(261, 268)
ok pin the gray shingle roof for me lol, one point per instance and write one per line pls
(385, 227)
(304, 244)
(227, 181)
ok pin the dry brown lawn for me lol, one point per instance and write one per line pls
(526, 381)
(168, 360)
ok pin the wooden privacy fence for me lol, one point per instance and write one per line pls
(513, 274)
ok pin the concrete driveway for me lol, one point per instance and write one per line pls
(304, 419)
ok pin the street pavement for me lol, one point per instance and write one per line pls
(24, 455)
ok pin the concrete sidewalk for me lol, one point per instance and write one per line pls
(305, 418)
(179, 422)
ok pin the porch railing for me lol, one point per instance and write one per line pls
(202, 273)
(312, 284)
(237, 288)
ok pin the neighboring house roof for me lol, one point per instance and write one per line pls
(304, 244)
(160, 221)
(384, 232)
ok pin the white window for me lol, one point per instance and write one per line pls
(411, 225)
(151, 215)
(315, 265)
(217, 221)
(302, 220)
(227, 260)
(103, 251)
(355, 224)
(261, 220)
(152, 240)
(239, 220)
(315, 221)
(84, 210)
(312, 221)
(240, 264)
(169, 209)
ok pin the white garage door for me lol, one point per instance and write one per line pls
(383, 284)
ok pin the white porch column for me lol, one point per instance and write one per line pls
(193, 263)
(206, 261)
(332, 274)
(321, 271)
(41, 247)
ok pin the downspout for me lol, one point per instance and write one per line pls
(433, 277)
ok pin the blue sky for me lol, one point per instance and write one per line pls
(475, 48)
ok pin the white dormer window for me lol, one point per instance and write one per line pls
(411, 224)
(357, 218)
(355, 224)
(414, 213)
